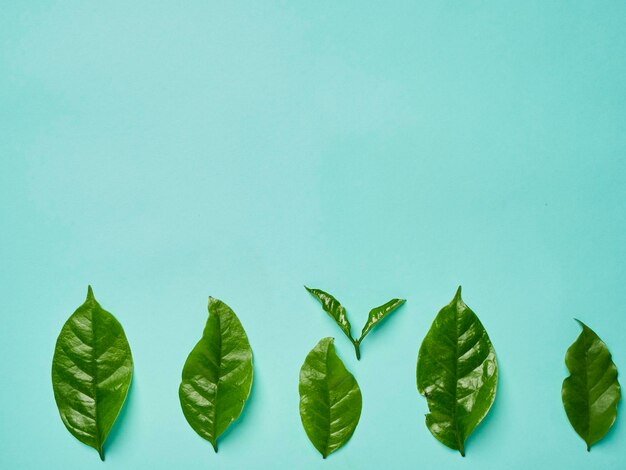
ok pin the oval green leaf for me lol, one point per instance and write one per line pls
(330, 399)
(217, 376)
(91, 372)
(457, 372)
(336, 311)
(591, 393)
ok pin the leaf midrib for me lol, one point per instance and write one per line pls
(219, 377)
(456, 380)
(327, 390)
(587, 390)
(94, 372)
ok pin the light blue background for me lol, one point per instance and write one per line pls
(168, 151)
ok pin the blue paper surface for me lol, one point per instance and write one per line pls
(167, 151)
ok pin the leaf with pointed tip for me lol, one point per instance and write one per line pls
(334, 309)
(217, 376)
(457, 372)
(92, 369)
(591, 393)
(330, 399)
(378, 314)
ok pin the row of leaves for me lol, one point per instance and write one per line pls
(457, 372)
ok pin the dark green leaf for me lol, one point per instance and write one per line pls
(591, 393)
(91, 372)
(217, 376)
(330, 399)
(457, 372)
(334, 309)
(377, 314)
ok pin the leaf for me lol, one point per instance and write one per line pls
(338, 313)
(330, 399)
(217, 376)
(334, 309)
(378, 314)
(457, 372)
(591, 393)
(91, 372)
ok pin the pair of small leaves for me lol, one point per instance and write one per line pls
(217, 376)
(92, 369)
(338, 313)
(457, 372)
(330, 399)
(591, 393)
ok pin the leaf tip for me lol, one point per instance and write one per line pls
(100, 449)
(90, 295)
(214, 444)
(457, 300)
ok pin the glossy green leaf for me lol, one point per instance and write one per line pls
(330, 399)
(334, 309)
(338, 313)
(91, 372)
(457, 372)
(591, 393)
(217, 376)
(378, 314)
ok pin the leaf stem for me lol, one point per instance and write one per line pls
(357, 350)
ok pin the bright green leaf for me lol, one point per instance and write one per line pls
(338, 313)
(591, 393)
(217, 376)
(377, 314)
(334, 309)
(457, 372)
(91, 372)
(330, 399)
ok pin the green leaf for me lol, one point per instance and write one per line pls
(457, 372)
(334, 309)
(377, 314)
(338, 313)
(217, 376)
(330, 399)
(591, 393)
(91, 372)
